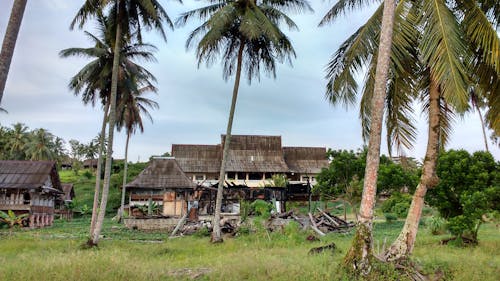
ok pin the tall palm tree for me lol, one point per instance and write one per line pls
(9, 41)
(431, 57)
(17, 141)
(130, 110)
(360, 254)
(39, 145)
(127, 17)
(245, 34)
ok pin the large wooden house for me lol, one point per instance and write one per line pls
(252, 161)
(30, 187)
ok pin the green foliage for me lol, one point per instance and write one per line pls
(469, 187)
(393, 177)
(436, 225)
(390, 217)
(262, 208)
(398, 203)
(87, 174)
(11, 219)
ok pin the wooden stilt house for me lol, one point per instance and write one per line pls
(30, 187)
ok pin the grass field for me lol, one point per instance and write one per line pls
(54, 254)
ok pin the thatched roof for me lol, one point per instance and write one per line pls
(305, 160)
(69, 192)
(28, 174)
(255, 154)
(197, 158)
(162, 173)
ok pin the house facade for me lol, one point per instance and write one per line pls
(30, 187)
(252, 161)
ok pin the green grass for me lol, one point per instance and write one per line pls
(54, 254)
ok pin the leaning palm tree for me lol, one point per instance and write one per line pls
(360, 254)
(245, 34)
(128, 17)
(9, 41)
(132, 106)
(431, 57)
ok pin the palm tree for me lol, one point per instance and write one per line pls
(246, 34)
(414, 58)
(360, 254)
(128, 18)
(9, 41)
(39, 145)
(131, 107)
(17, 141)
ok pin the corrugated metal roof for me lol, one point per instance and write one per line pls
(162, 173)
(28, 174)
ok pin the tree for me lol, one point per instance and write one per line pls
(426, 49)
(469, 187)
(40, 145)
(131, 107)
(18, 141)
(360, 254)
(9, 41)
(245, 34)
(129, 17)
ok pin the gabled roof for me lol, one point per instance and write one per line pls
(162, 173)
(305, 160)
(195, 158)
(253, 153)
(28, 174)
(69, 192)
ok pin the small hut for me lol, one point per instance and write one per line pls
(30, 187)
(164, 184)
(65, 200)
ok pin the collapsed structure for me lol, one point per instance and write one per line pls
(187, 181)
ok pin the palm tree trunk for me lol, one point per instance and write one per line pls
(111, 129)
(216, 233)
(358, 258)
(403, 246)
(125, 167)
(9, 41)
(482, 127)
(97, 190)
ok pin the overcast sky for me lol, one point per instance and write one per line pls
(194, 103)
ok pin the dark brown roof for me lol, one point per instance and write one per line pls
(162, 173)
(305, 160)
(255, 154)
(197, 158)
(28, 174)
(69, 192)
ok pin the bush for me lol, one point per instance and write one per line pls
(87, 174)
(390, 217)
(397, 204)
(262, 208)
(436, 225)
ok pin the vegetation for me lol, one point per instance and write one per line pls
(469, 188)
(11, 219)
(257, 256)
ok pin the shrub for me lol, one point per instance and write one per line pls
(390, 217)
(87, 174)
(262, 208)
(436, 225)
(397, 204)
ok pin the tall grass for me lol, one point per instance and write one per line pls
(55, 254)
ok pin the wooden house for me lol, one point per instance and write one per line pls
(164, 184)
(252, 161)
(65, 199)
(30, 187)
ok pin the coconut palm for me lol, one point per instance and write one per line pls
(127, 17)
(132, 106)
(9, 41)
(244, 34)
(433, 57)
(17, 141)
(39, 146)
(360, 254)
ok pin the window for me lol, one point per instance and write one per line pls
(255, 176)
(242, 176)
(199, 177)
(231, 175)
